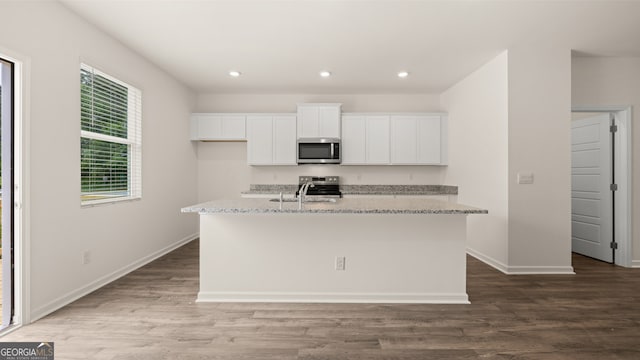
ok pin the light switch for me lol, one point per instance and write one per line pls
(525, 178)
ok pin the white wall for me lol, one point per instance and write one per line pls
(539, 142)
(53, 41)
(223, 170)
(606, 81)
(478, 156)
(512, 116)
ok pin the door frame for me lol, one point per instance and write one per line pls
(21, 278)
(622, 171)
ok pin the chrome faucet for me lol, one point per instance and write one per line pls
(303, 192)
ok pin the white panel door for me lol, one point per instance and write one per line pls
(284, 140)
(429, 140)
(591, 197)
(259, 140)
(377, 140)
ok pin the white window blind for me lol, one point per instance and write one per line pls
(110, 138)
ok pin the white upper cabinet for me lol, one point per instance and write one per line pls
(271, 139)
(377, 139)
(404, 146)
(284, 140)
(259, 140)
(319, 120)
(418, 140)
(365, 139)
(354, 143)
(430, 140)
(209, 126)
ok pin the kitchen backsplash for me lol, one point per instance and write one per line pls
(383, 175)
(223, 172)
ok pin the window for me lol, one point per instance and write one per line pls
(110, 138)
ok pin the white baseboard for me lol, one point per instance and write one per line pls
(104, 280)
(488, 260)
(384, 298)
(521, 270)
(635, 263)
(541, 270)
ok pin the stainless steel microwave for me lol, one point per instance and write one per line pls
(319, 151)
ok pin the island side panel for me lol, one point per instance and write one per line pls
(390, 258)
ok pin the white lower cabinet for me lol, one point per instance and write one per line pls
(365, 139)
(271, 140)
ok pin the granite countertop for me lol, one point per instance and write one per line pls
(258, 189)
(341, 206)
(399, 190)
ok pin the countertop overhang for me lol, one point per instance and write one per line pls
(261, 189)
(341, 206)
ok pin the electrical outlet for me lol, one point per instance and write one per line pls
(340, 263)
(86, 257)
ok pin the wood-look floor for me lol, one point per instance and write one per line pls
(151, 314)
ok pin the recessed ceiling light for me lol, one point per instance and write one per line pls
(234, 73)
(325, 74)
(403, 74)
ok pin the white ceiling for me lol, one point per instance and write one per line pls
(281, 46)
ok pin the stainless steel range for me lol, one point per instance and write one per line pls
(323, 186)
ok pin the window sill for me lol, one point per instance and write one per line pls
(107, 201)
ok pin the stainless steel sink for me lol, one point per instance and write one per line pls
(284, 200)
(307, 200)
(320, 199)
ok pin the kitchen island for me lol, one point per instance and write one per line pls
(409, 250)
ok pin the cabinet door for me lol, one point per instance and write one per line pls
(209, 127)
(404, 147)
(318, 120)
(377, 140)
(329, 122)
(284, 140)
(429, 139)
(259, 140)
(308, 121)
(217, 127)
(233, 127)
(354, 140)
